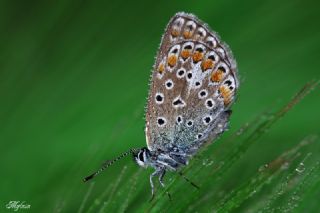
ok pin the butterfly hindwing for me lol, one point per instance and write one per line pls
(193, 85)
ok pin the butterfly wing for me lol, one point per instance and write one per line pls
(193, 84)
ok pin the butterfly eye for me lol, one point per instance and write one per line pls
(140, 156)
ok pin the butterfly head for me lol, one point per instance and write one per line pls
(142, 157)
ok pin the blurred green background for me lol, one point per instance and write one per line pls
(74, 81)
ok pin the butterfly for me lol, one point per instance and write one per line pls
(193, 85)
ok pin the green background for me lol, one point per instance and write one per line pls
(73, 86)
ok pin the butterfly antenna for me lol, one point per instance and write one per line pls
(108, 163)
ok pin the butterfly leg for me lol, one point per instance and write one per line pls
(155, 173)
(163, 172)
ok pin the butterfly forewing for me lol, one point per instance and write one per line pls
(193, 85)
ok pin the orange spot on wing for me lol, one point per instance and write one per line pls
(185, 54)
(174, 33)
(161, 68)
(172, 60)
(207, 64)
(226, 94)
(217, 76)
(187, 34)
(197, 56)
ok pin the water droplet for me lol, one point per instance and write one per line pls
(284, 166)
(263, 167)
(207, 162)
(300, 168)
(295, 197)
(241, 130)
(253, 192)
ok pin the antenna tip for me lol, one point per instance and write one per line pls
(88, 178)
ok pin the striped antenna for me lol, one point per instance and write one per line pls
(109, 163)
